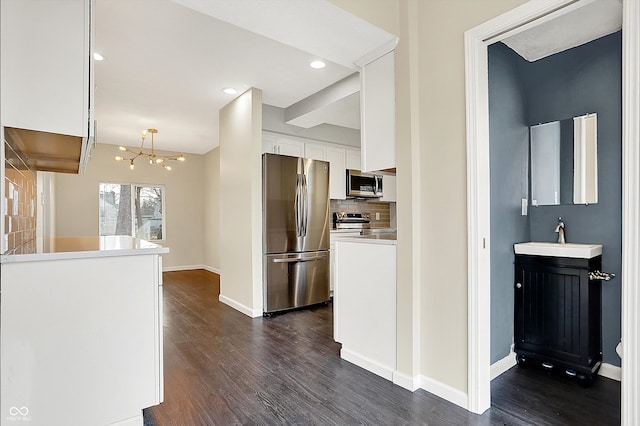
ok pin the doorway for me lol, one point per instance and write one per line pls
(476, 43)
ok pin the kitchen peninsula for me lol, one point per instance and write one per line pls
(365, 301)
(81, 336)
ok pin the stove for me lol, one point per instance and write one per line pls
(344, 220)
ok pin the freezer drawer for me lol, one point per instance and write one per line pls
(295, 280)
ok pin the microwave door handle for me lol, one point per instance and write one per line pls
(375, 185)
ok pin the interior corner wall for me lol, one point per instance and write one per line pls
(77, 201)
(509, 165)
(212, 209)
(241, 196)
(582, 80)
(443, 160)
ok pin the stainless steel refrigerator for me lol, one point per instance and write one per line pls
(296, 232)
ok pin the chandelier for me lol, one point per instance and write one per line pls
(153, 158)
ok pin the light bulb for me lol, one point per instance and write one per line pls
(131, 164)
(118, 158)
(150, 161)
(167, 167)
(181, 158)
(122, 148)
(159, 160)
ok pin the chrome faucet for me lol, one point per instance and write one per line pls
(560, 231)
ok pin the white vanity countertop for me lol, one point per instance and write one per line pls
(86, 247)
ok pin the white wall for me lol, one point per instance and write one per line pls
(212, 210)
(431, 176)
(77, 199)
(241, 203)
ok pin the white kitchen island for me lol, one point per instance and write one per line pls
(81, 332)
(365, 301)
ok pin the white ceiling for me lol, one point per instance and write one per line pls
(165, 64)
(583, 23)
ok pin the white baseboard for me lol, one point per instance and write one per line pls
(133, 421)
(253, 313)
(610, 371)
(367, 363)
(190, 268)
(406, 381)
(606, 370)
(444, 391)
(499, 367)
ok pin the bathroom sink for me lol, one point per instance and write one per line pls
(579, 251)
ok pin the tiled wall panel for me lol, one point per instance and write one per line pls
(363, 206)
(19, 204)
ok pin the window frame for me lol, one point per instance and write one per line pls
(133, 225)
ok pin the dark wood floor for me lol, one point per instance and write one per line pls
(224, 368)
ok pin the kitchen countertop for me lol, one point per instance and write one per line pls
(383, 238)
(86, 247)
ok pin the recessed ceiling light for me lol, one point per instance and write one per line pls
(317, 64)
(97, 56)
(229, 90)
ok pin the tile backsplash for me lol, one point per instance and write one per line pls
(19, 204)
(363, 206)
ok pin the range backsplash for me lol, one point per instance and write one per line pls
(19, 215)
(363, 206)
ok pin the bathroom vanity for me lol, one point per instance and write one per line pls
(557, 320)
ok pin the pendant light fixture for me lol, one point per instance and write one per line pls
(153, 158)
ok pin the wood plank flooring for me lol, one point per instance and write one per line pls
(224, 368)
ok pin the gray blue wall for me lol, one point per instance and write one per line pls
(571, 83)
(509, 158)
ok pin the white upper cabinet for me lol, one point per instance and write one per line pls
(353, 158)
(377, 114)
(389, 188)
(276, 144)
(46, 75)
(337, 173)
(315, 151)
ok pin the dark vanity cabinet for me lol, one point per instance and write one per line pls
(558, 314)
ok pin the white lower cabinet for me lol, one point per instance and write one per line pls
(364, 304)
(81, 340)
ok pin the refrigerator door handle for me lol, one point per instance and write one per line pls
(305, 204)
(299, 259)
(298, 206)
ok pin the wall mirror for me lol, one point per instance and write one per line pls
(564, 161)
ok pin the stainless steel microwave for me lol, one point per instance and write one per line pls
(366, 185)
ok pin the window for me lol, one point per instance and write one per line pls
(129, 209)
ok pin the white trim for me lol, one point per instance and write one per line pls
(133, 421)
(253, 313)
(503, 365)
(376, 53)
(444, 391)
(367, 363)
(630, 212)
(406, 381)
(610, 371)
(191, 268)
(476, 79)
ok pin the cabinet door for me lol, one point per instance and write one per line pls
(337, 173)
(291, 147)
(353, 159)
(548, 312)
(377, 115)
(315, 151)
(389, 188)
(45, 59)
(269, 143)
